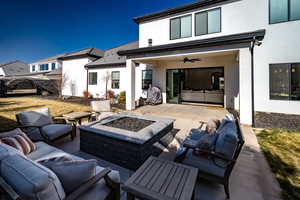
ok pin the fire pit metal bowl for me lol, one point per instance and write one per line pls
(125, 139)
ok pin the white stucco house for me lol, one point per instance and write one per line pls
(242, 54)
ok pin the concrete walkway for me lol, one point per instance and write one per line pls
(251, 178)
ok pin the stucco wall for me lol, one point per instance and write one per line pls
(100, 88)
(75, 75)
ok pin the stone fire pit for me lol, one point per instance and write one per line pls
(125, 139)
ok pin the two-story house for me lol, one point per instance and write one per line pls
(242, 54)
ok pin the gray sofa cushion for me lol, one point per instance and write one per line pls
(6, 150)
(53, 131)
(45, 151)
(31, 180)
(203, 163)
(72, 174)
(227, 141)
(39, 117)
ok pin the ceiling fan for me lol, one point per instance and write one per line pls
(191, 60)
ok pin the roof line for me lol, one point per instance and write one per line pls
(121, 45)
(234, 38)
(12, 62)
(178, 9)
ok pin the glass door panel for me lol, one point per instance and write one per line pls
(174, 85)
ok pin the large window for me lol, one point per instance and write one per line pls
(181, 27)
(44, 67)
(146, 79)
(92, 78)
(208, 22)
(285, 81)
(115, 80)
(284, 10)
(53, 66)
(33, 68)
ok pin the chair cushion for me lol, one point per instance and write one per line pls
(54, 131)
(31, 180)
(207, 142)
(227, 141)
(203, 163)
(45, 151)
(39, 117)
(52, 161)
(72, 174)
(196, 134)
(19, 140)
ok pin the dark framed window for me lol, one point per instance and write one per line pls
(181, 27)
(208, 22)
(53, 66)
(284, 10)
(93, 78)
(146, 79)
(44, 67)
(115, 80)
(33, 68)
(285, 81)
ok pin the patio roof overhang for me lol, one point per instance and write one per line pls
(216, 43)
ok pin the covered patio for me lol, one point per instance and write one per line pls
(217, 70)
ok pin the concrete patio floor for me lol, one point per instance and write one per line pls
(251, 178)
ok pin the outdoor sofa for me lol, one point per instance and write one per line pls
(24, 177)
(214, 165)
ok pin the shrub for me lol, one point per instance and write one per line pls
(122, 98)
(86, 94)
(110, 94)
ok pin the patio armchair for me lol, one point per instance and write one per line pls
(101, 109)
(39, 126)
(216, 165)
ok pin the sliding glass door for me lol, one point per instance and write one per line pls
(174, 84)
(199, 85)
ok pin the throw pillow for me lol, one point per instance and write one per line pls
(72, 174)
(212, 125)
(19, 140)
(52, 161)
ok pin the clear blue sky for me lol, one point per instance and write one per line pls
(35, 29)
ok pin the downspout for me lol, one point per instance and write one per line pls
(87, 79)
(253, 43)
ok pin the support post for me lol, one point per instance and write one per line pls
(130, 89)
(245, 87)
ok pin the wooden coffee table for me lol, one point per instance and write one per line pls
(159, 179)
(76, 117)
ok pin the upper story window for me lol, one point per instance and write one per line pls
(208, 22)
(181, 27)
(33, 68)
(93, 78)
(53, 66)
(284, 10)
(115, 80)
(146, 79)
(285, 81)
(44, 67)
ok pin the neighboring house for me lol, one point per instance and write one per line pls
(110, 70)
(46, 64)
(14, 68)
(242, 54)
